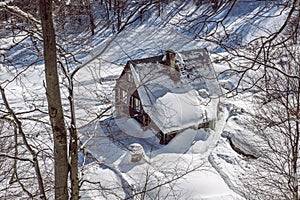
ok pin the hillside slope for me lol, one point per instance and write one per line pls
(201, 166)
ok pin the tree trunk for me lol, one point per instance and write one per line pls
(54, 102)
(73, 148)
(91, 17)
(296, 149)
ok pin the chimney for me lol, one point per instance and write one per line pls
(170, 58)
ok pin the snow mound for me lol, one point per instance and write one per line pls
(181, 143)
(133, 128)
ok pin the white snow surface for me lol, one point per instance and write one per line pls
(180, 144)
(133, 128)
(220, 168)
(176, 111)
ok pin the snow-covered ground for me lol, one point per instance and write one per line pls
(198, 156)
(194, 165)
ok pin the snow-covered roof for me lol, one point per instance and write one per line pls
(177, 104)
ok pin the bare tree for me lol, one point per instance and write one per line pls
(276, 123)
(274, 73)
(268, 65)
(53, 51)
(54, 102)
(17, 124)
(63, 166)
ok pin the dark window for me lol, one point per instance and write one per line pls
(203, 125)
(132, 102)
(146, 119)
(135, 104)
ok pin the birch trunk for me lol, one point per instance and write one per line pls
(54, 102)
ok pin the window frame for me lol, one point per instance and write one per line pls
(135, 104)
(129, 77)
(123, 96)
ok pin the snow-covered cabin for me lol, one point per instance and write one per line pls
(169, 93)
